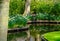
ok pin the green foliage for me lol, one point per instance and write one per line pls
(46, 10)
(17, 20)
(16, 7)
(45, 16)
(56, 9)
(42, 16)
(41, 6)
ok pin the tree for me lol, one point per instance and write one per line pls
(4, 11)
(27, 8)
(26, 12)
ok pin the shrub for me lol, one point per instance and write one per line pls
(16, 21)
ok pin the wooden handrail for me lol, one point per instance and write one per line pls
(17, 30)
(39, 22)
(43, 22)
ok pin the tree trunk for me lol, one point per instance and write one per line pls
(27, 8)
(4, 11)
(26, 12)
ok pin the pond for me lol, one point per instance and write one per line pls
(52, 36)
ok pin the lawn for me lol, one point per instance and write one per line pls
(52, 36)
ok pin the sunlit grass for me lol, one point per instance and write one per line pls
(53, 36)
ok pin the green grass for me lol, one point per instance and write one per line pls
(52, 36)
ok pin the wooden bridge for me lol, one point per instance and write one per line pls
(39, 22)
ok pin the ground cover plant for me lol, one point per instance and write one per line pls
(52, 36)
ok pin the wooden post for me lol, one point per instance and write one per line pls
(4, 11)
